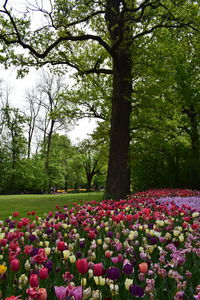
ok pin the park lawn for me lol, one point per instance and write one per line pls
(42, 203)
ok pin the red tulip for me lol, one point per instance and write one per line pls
(92, 234)
(43, 273)
(98, 269)
(15, 214)
(13, 245)
(15, 264)
(34, 281)
(82, 265)
(19, 224)
(3, 242)
(61, 245)
(28, 249)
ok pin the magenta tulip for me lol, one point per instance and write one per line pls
(15, 264)
(43, 273)
(98, 269)
(34, 281)
(82, 265)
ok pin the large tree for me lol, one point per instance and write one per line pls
(94, 36)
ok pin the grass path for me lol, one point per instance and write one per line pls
(41, 203)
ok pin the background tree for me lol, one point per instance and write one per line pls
(162, 153)
(13, 146)
(93, 160)
(33, 101)
(116, 26)
(49, 93)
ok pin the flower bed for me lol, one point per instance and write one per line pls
(143, 247)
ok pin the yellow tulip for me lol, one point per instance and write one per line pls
(3, 269)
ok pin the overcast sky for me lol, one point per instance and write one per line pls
(19, 86)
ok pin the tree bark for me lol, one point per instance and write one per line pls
(118, 177)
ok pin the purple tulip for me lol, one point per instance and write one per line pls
(136, 291)
(128, 269)
(77, 293)
(113, 273)
(60, 292)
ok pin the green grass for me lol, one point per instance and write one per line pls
(41, 203)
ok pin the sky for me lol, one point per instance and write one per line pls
(19, 86)
(17, 96)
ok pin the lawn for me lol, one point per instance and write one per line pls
(42, 203)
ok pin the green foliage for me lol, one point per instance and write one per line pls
(93, 37)
(166, 119)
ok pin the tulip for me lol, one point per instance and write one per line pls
(47, 250)
(72, 259)
(42, 294)
(27, 266)
(43, 273)
(61, 245)
(92, 234)
(34, 281)
(86, 293)
(128, 268)
(77, 293)
(15, 214)
(3, 269)
(113, 273)
(128, 283)
(98, 269)
(136, 291)
(3, 242)
(108, 253)
(60, 292)
(66, 254)
(19, 225)
(99, 280)
(15, 264)
(83, 281)
(143, 267)
(82, 265)
(28, 249)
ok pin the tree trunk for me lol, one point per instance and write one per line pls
(48, 151)
(118, 177)
(121, 33)
(89, 181)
